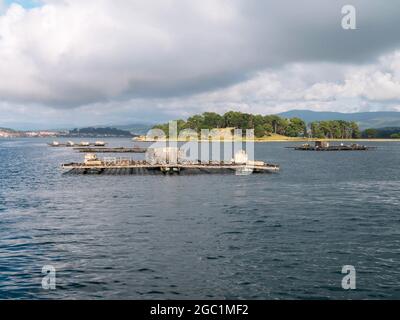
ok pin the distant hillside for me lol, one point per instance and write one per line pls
(7, 129)
(10, 133)
(364, 119)
(99, 132)
(382, 133)
(136, 128)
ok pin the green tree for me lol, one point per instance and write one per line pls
(356, 133)
(212, 120)
(295, 128)
(316, 131)
(195, 122)
(232, 119)
(370, 133)
(262, 130)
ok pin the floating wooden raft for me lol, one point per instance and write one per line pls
(111, 150)
(76, 145)
(324, 146)
(334, 148)
(142, 168)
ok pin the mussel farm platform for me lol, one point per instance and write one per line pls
(143, 168)
(334, 148)
(325, 146)
(110, 150)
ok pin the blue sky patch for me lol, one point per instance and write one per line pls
(25, 3)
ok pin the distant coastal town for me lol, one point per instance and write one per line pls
(10, 133)
(82, 132)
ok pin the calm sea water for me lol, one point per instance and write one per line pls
(274, 236)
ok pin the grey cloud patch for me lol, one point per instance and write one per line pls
(311, 31)
(94, 51)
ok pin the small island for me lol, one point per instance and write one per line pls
(274, 128)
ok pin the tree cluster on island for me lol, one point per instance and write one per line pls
(335, 129)
(268, 125)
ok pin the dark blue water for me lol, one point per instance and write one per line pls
(276, 236)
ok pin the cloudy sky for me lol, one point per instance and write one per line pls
(92, 62)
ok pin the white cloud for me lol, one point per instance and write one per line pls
(376, 82)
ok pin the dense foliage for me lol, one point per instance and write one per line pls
(335, 129)
(262, 125)
(267, 125)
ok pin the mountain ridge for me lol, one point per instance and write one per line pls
(373, 119)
